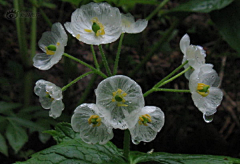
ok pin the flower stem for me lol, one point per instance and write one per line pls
(157, 9)
(94, 57)
(156, 87)
(126, 144)
(85, 64)
(168, 76)
(174, 77)
(171, 90)
(76, 80)
(105, 63)
(118, 55)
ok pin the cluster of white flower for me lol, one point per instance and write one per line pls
(203, 79)
(119, 105)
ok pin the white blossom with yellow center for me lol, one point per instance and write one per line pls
(129, 25)
(50, 97)
(206, 95)
(145, 125)
(91, 124)
(52, 44)
(195, 55)
(95, 23)
(117, 97)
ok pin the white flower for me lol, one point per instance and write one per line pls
(145, 125)
(206, 95)
(52, 43)
(50, 97)
(95, 23)
(130, 26)
(92, 126)
(117, 97)
(194, 54)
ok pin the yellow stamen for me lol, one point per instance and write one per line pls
(101, 30)
(118, 96)
(78, 36)
(87, 30)
(95, 120)
(58, 44)
(144, 119)
(49, 52)
(203, 89)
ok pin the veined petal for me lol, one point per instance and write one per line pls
(57, 107)
(46, 102)
(184, 43)
(48, 38)
(58, 29)
(42, 61)
(100, 133)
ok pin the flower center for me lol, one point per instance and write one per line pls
(144, 119)
(50, 50)
(48, 96)
(203, 89)
(118, 97)
(95, 120)
(97, 27)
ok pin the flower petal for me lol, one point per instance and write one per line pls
(57, 107)
(184, 43)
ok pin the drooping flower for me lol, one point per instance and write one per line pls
(50, 97)
(206, 95)
(117, 97)
(52, 44)
(195, 55)
(130, 26)
(91, 124)
(145, 125)
(95, 23)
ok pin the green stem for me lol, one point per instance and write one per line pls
(45, 17)
(76, 80)
(118, 55)
(33, 31)
(156, 47)
(171, 90)
(85, 64)
(156, 87)
(94, 57)
(174, 77)
(126, 144)
(105, 63)
(163, 3)
(168, 76)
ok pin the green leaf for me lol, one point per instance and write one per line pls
(228, 22)
(204, 6)
(16, 136)
(5, 107)
(3, 147)
(136, 157)
(73, 150)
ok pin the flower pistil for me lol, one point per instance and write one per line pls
(50, 50)
(203, 89)
(119, 97)
(95, 120)
(97, 27)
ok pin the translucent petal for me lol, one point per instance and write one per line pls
(130, 26)
(134, 100)
(58, 29)
(184, 43)
(42, 61)
(108, 16)
(57, 107)
(48, 38)
(45, 102)
(40, 88)
(89, 134)
(54, 91)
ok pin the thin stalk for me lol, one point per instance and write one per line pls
(76, 80)
(118, 55)
(171, 90)
(163, 3)
(170, 75)
(126, 144)
(85, 64)
(105, 62)
(156, 47)
(174, 77)
(33, 31)
(45, 17)
(94, 57)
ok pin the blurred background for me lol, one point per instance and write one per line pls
(146, 57)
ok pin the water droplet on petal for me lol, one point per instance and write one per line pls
(208, 118)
